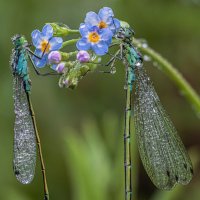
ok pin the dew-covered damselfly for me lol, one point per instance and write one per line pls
(25, 130)
(162, 152)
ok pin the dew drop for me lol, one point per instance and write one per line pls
(144, 43)
(113, 70)
(147, 58)
(138, 64)
(155, 64)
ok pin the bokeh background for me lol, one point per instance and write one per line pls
(82, 130)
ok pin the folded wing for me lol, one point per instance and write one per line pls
(24, 135)
(162, 152)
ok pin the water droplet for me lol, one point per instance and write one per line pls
(155, 64)
(98, 59)
(113, 70)
(147, 58)
(138, 64)
(144, 43)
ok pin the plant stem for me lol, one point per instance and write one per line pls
(185, 88)
(74, 31)
(69, 42)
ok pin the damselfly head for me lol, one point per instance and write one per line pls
(125, 32)
(19, 40)
(129, 32)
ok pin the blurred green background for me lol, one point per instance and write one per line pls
(82, 130)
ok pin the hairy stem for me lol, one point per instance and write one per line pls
(69, 42)
(74, 31)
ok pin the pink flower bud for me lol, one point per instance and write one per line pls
(83, 56)
(65, 82)
(54, 57)
(60, 67)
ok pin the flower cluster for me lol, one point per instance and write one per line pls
(97, 31)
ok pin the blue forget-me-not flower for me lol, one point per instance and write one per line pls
(94, 38)
(104, 19)
(97, 31)
(44, 43)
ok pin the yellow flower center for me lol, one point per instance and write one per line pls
(94, 37)
(102, 24)
(45, 46)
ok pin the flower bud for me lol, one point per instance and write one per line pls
(54, 57)
(66, 82)
(83, 56)
(60, 67)
(60, 29)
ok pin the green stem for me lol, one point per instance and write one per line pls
(189, 93)
(69, 42)
(67, 56)
(74, 31)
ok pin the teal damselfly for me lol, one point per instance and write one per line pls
(25, 130)
(161, 150)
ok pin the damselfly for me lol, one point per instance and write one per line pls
(161, 150)
(25, 130)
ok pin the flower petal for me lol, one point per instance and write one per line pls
(83, 44)
(108, 21)
(92, 19)
(47, 31)
(114, 27)
(55, 43)
(100, 48)
(94, 29)
(106, 35)
(105, 13)
(83, 30)
(36, 38)
(39, 62)
(54, 66)
(38, 53)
